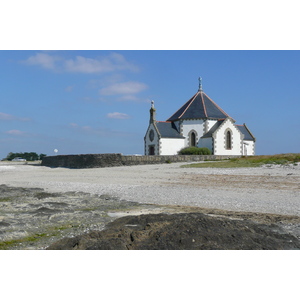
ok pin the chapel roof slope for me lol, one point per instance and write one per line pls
(200, 106)
(246, 132)
(168, 130)
(213, 129)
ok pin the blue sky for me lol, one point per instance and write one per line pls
(98, 101)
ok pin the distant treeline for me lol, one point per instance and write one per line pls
(29, 156)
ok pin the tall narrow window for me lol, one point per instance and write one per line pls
(228, 140)
(193, 139)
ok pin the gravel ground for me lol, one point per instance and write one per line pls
(269, 189)
(40, 205)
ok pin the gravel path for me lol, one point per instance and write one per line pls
(270, 189)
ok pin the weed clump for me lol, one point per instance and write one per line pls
(250, 161)
(5, 199)
(194, 151)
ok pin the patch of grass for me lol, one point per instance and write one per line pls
(194, 151)
(249, 161)
(4, 245)
(44, 195)
(53, 231)
(5, 199)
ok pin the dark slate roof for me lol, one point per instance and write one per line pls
(213, 129)
(245, 131)
(200, 106)
(168, 130)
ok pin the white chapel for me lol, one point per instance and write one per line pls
(200, 122)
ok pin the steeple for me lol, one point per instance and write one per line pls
(200, 85)
(152, 113)
(200, 106)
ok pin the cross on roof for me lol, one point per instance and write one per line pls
(200, 84)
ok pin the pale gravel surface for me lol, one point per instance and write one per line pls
(273, 189)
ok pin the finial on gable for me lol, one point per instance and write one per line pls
(200, 84)
(152, 113)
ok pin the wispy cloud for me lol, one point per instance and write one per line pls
(117, 115)
(124, 88)
(16, 132)
(8, 117)
(103, 132)
(133, 98)
(113, 62)
(80, 64)
(69, 88)
(44, 60)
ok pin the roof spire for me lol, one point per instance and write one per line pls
(200, 84)
(152, 113)
(152, 104)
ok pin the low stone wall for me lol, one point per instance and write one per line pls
(116, 159)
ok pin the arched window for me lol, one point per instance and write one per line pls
(228, 140)
(192, 139)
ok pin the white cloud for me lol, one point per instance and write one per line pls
(133, 98)
(69, 88)
(44, 60)
(16, 132)
(100, 131)
(117, 115)
(128, 88)
(113, 62)
(73, 125)
(7, 117)
(80, 64)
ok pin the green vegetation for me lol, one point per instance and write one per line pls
(249, 161)
(5, 199)
(44, 195)
(29, 156)
(194, 151)
(8, 244)
(53, 231)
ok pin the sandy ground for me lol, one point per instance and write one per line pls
(270, 189)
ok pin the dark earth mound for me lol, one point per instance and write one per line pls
(182, 231)
(32, 218)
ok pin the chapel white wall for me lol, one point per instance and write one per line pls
(220, 139)
(171, 146)
(192, 125)
(248, 148)
(155, 141)
(209, 124)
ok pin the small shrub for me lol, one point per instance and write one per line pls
(194, 151)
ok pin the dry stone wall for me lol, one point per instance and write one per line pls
(116, 159)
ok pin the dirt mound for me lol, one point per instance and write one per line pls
(183, 231)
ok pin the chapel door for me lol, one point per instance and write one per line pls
(151, 150)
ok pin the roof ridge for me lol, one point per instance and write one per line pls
(217, 106)
(203, 103)
(192, 100)
(249, 131)
(199, 106)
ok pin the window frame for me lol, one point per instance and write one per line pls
(228, 139)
